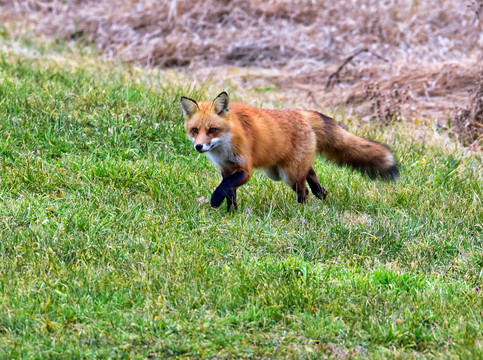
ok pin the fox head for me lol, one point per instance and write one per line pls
(207, 124)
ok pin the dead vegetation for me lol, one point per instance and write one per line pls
(385, 106)
(468, 122)
(429, 50)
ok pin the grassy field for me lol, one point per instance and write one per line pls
(108, 249)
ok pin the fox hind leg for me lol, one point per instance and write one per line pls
(301, 190)
(297, 184)
(291, 176)
(314, 185)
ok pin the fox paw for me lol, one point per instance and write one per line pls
(318, 191)
(321, 194)
(217, 198)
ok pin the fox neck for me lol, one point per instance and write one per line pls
(223, 155)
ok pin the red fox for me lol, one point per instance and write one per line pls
(238, 138)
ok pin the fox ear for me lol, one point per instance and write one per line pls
(221, 104)
(189, 106)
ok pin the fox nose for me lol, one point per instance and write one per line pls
(198, 147)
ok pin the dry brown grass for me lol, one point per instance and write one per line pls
(468, 122)
(428, 50)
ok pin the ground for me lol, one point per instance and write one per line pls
(110, 250)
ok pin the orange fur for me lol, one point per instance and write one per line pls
(239, 137)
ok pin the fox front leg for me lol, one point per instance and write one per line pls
(231, 200)
(227, 189)
(231, 196)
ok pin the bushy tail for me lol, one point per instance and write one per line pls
(344, 148)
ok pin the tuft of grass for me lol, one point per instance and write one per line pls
(105, 252)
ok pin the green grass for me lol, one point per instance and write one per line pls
(106, 253)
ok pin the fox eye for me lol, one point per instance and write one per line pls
(194, 130)
(212, 130)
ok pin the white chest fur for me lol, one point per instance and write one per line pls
(222, 154)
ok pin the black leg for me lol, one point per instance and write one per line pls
(226, 188)
(315, 186)
(301, 191)
(231, 200)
